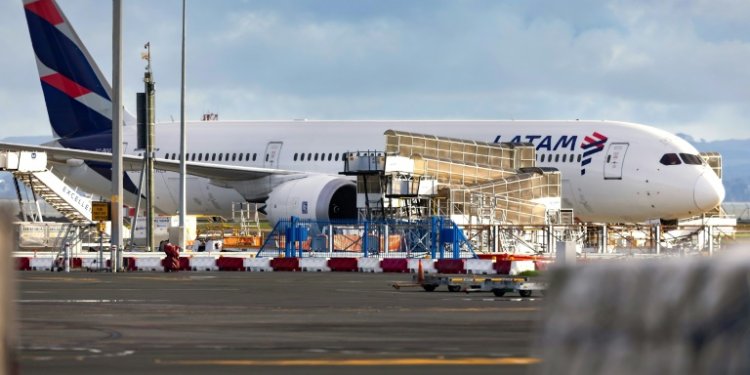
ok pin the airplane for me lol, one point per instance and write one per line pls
(611, 171)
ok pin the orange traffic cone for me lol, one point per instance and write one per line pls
(420, 273)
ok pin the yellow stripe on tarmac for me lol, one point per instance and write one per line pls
(508, 361)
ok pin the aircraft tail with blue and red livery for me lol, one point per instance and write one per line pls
(77, 94)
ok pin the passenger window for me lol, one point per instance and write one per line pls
(557, 158)
(670, 159)
(330, 155)
(220, 156)
(309, 156)
(226, 156)
(316, 156)
(302, 157)
(213, 157)
(247, 157)
(691, 159)
(255, 154)
(564, 157)
(192, 158)
(572, 158)
(200, 157)
(266, 157)
(239, 156)
(579, 158)
(337, 156)
(295, 156)
(542, 158)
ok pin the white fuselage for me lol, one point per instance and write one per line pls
(624, 181)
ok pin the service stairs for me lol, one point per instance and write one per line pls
(31, 169)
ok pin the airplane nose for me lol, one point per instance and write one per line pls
(709, 191)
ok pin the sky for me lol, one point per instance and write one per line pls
(678, 65)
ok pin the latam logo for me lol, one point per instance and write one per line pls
(545, 142)
(591, 145)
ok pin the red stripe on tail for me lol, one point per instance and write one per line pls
(65, 85)
(47, 10)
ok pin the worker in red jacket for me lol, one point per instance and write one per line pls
(172, 261)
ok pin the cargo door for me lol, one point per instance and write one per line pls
(614, 161)
(273, 149)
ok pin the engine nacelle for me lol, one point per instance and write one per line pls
(318, 197)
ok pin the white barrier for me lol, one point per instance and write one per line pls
(369, 265)
(518, 266)
(203, 264)
(479, 266)
(41, 264)
(149, 264)
(314, 264)
(428, 265)
(257, 264)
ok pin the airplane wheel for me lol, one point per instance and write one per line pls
(429, 287)
(498, 292)
(525, 293)
(454, 288)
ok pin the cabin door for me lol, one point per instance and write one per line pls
(614, 161)
(273, 149)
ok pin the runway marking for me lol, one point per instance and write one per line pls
(64, 279)
(482, 309)
(78, 300)
(470, 361)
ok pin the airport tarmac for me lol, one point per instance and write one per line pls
(271, 323)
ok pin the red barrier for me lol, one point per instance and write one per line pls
(343, 264)
(285, 264)
(394, 265)
(184, 263)
(541, 265)
(129, 264)
(230, 264)
(502, 267)
(23, 264)
(76, 263)
(450, 266)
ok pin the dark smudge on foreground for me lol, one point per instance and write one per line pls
(669, 316)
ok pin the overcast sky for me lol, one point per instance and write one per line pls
(674, 64)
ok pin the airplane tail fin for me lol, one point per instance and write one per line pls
(77, 94)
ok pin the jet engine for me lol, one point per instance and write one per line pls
(318, 197)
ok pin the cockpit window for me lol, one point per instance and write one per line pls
(670, 159)
(691, 159)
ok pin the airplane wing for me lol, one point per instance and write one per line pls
(135, 163)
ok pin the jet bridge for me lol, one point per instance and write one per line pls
(30, 167)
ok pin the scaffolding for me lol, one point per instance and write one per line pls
(470, 182)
